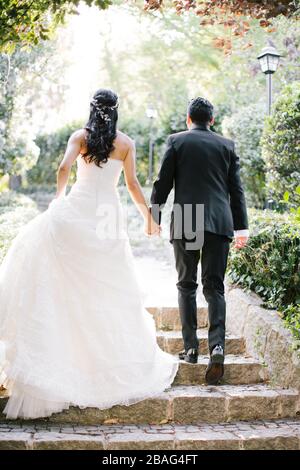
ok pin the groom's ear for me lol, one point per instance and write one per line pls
(188, 121)
(212, 122)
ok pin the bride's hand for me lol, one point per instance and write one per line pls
(151, 227)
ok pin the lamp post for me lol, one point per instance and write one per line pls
(269, 60)
(151, 113)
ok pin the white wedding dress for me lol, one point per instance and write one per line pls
(72, 320)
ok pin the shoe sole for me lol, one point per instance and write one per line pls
(215, 373)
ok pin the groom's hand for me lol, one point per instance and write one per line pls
(240, 241)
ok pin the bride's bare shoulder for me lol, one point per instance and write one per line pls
(79, 133)
(79, 136)
(123, 144)
(124, 139)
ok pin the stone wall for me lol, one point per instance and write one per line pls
(266, 337)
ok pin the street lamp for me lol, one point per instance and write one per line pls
(151, 113)
(269, 60)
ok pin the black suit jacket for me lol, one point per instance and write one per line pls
(203, 168)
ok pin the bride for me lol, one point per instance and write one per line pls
(72, 320)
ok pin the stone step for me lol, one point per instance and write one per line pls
(262, 435)
(239, 370)
(188, 405)
(167, 318)
(171, 342)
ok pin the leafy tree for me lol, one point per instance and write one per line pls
(246, 127)
(281, 146)
(259, 9)
(27, 22)
(232, 14)
(30, 85)
(16, 152)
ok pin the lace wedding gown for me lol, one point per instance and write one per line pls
(72, 320)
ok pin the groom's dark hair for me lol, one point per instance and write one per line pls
(200, 110)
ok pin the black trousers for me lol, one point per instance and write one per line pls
(214, 255)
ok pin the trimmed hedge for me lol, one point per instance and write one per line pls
(270, 264)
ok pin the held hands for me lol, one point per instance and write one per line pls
(240, 242)
(151, 227)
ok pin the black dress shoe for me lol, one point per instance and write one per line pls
(182, 354)
(215, 368)
(190, 356)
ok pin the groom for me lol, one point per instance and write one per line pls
(209, 211)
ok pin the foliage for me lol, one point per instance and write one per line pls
(281, 145)
(25, 99)
(15, 152)
(15, 211)
(245, 127)
(218, 9)
(291, 316)
(234, 15)
(27, 22)
(155, 65)
(289, 198)
(19, 155)
(156, 81)
(270, 264)
(52, 147)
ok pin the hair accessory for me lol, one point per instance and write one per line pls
(101, 107)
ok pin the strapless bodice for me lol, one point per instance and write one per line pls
(106, 175)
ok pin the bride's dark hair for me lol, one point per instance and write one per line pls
(101, 126)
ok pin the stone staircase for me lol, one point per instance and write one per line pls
(244, 412)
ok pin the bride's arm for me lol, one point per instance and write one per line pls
(135, 190)
(71, 153)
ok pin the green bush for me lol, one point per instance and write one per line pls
(281, 145)
(52, 147)
(270, 264)
(17, 156)
(245, 127)
(15, 211)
